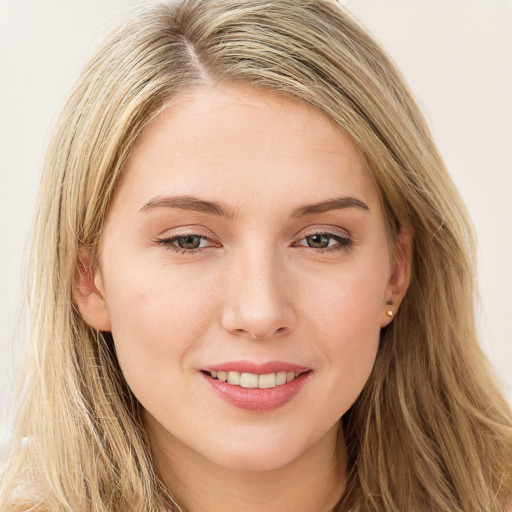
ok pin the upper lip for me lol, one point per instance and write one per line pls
(257, 368)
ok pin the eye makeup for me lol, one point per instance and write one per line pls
(194, 242)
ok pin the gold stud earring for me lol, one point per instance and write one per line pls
(389, 313)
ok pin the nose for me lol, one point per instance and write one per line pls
(258, 302)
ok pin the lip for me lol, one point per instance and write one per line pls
(257, 400)
(257, 368)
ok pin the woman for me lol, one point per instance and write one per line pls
(253, 282)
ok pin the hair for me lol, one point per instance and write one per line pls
(430, 430)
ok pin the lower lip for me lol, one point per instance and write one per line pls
(255, 399)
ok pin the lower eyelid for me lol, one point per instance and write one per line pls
(170, 243)
(342, 243)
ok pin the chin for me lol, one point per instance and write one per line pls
(247, 461)
(258, 454)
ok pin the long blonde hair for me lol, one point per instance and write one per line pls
(430, 431)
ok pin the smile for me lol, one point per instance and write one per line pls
(256, 387)
(253, 381)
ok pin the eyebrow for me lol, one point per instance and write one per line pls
(340, 203)
(189, 203)
(215, 208)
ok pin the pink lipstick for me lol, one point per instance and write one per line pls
(256, 387)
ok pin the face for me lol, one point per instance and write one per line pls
(246, 241)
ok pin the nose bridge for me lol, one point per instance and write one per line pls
(257, 301)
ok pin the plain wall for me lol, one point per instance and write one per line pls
(456, 55)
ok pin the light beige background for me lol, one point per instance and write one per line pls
(456, 55)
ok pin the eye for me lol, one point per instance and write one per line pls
(326, 242)
(190, 241)
(187, 243)
(319, 241)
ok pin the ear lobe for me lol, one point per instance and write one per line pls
(88, 293)
(400, 277)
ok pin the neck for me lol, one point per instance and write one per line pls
(313, 482)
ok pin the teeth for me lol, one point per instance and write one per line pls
(281, 378)
(267, 381)
(234, 378)
(248, 380)
(253, 381)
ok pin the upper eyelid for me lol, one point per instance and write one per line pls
(206, 233)
(331, 230)
(186, 231)
(298, 237)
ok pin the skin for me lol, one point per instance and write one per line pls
(254, 290)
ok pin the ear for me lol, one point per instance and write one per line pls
(89, 294)
(399, 279)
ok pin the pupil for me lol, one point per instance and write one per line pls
(318, 241)
(189, 242)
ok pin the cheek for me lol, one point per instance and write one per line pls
(157, 318)
(345, 315)
(348, 303)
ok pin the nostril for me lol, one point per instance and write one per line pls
(258, 319)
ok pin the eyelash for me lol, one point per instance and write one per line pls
(343, 243)
(168, 243)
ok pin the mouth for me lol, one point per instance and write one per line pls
(254, 380)
(257, 388)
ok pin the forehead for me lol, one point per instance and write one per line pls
(239, 143)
